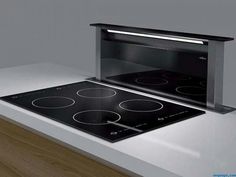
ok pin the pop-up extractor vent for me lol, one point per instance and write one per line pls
(183, 66)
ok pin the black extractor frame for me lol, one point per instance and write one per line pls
(127, 50)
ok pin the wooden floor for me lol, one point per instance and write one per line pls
(25, 154)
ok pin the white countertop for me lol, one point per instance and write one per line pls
(197, 147)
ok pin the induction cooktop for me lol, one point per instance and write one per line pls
(106, 112)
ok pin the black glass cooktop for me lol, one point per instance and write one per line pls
(102, 111)
(191, 88)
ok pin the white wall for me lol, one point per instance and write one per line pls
(58, 30)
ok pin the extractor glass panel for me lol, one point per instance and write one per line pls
(165, 71)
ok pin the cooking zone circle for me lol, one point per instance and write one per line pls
(151, 81)
(96, 117)
(96, 93)
(191, 90)
(53, 102)
(141, 105)
(174, 76)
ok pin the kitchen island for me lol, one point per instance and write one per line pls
(201, 146)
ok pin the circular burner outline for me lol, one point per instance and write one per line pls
(138, 82)
(114, 93)
(165, 75)
(96, 110)
(56, 107)
(201, 94)
(131, 110)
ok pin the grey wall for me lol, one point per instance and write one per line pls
(57, 30)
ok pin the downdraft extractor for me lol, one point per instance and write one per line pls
(178, 65)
